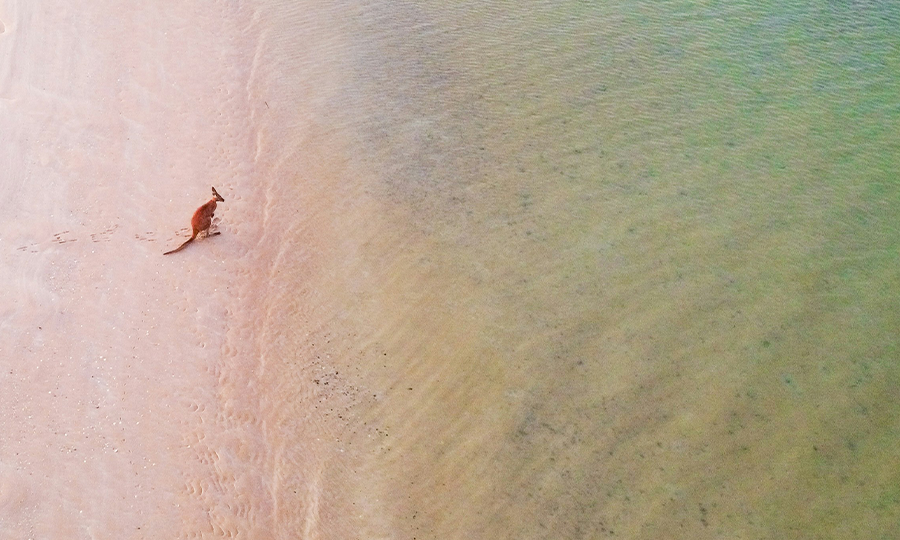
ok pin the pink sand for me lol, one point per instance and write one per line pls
(124, 412)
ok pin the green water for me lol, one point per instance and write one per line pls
(657, 297)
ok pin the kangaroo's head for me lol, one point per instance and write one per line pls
(216, 196)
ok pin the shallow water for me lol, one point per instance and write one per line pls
(543, 270)
(625, 270)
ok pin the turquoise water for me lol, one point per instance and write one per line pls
(635, 268)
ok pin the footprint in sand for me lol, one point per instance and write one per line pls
(63, 238)
(146, 237)
(103, 236)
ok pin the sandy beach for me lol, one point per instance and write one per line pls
(165, 397)
(484, 271)
(116, 123)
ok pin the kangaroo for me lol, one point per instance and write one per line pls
(202, 220)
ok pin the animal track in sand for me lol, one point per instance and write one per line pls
(186, 231)
(145, 237)
(61, 238)
(105, 235)
(194, 487)
(198, 408)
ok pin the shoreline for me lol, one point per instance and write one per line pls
(476, 278)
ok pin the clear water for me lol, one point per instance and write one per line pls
(633, 270)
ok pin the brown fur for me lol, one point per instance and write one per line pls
(202, 220)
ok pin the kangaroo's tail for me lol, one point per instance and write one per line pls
(182, 246)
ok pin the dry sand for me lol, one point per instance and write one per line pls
(117, 419)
